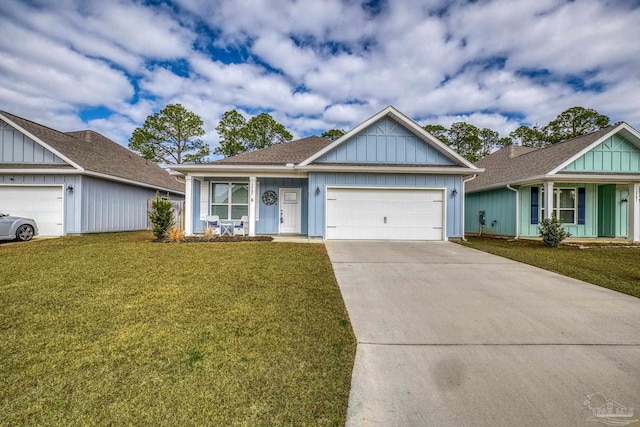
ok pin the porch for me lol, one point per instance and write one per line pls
(274, 205)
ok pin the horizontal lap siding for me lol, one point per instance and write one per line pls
(321, 180)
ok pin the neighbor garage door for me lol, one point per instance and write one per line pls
(44, 204)
(385, 214)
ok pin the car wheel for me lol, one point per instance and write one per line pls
(24, 233)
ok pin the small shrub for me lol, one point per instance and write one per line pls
(552, 232)
(209, 233)
(174, 234)
(161, 216)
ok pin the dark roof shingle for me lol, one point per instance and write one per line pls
(514, 163)
(97, 153)
(280, 154)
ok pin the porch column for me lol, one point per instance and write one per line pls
(252, 206)
(548, 199)
(634, 212)
(188, 206)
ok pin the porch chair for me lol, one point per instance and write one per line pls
(213, 221)
(241, 228)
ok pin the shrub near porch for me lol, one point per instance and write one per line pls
(114, 329)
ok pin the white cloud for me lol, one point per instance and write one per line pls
(336, 63)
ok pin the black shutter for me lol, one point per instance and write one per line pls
(534, 205)
(581, 205)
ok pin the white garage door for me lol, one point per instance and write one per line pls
(44, 204)
(385, 214)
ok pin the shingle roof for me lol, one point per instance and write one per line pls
(514, 163)
(97, 153)
(280, 154)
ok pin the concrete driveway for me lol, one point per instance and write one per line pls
(450, 336)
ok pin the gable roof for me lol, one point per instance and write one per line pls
(405, 121)
(91, 153)
(280, 154)
(514, 164)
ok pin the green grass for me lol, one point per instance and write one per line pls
(609, 267)
(117, 330)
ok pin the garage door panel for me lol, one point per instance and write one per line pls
(384, 214)
(43, 204)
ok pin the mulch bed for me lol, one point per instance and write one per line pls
(202, 239)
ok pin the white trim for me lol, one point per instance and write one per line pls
(359, 187)
(219, 167)
(188, 206)
(398, 116)
(621, 126)
(464, 192)
(41, 142)
(634, 212)
(563, 177)
(29, 171)
(131, 182)
(252, 206)
(557, 209)
(380, 168)
(298, 190)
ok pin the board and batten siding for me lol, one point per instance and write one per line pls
(499, 206)
(614, 154)
(72, 199)
(112, 206)
(385, 142)
(590, 227)
(269, 215)
(15, 147)
(316, 223)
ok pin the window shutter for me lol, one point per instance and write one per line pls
(535, 200)
(581, 204)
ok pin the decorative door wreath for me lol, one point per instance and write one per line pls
(269, 197)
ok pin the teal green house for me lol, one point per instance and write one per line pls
(592, 183)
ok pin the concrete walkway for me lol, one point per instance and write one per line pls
(450, 336)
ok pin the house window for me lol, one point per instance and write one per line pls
(564, 204)
(229, 200)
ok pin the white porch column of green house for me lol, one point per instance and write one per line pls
(188, 205)
(252, 206)
(634, 211)
(548, 199)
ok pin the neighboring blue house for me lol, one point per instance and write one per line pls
(386, 179)
(592, 183)
(75, 182)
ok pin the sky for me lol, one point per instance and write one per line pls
(318, 64)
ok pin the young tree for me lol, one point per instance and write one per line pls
(238, 135)
(231, 128)
(333, 134)
(170, 136)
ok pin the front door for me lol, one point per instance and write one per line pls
(290, 210)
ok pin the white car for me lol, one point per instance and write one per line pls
(17, 228)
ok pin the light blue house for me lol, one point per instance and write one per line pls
(385, 179)
(75, 182)
(591, 182)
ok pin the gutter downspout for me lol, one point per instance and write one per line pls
(517, 210)
(464, 181)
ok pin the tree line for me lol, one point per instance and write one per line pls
(173, 135)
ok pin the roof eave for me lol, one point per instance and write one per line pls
(445, 170)
(397, 115)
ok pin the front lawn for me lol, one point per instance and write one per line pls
(609, 267)
(113, 329)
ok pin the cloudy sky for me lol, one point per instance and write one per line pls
(318, 64)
